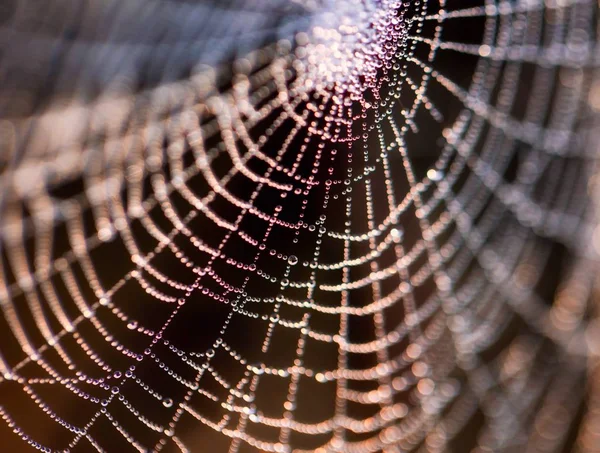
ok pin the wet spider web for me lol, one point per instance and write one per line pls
(329, 226)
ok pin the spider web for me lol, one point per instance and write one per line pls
(328, 226)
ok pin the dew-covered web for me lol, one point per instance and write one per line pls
(315, 225)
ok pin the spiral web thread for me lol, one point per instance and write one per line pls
(349, 294)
